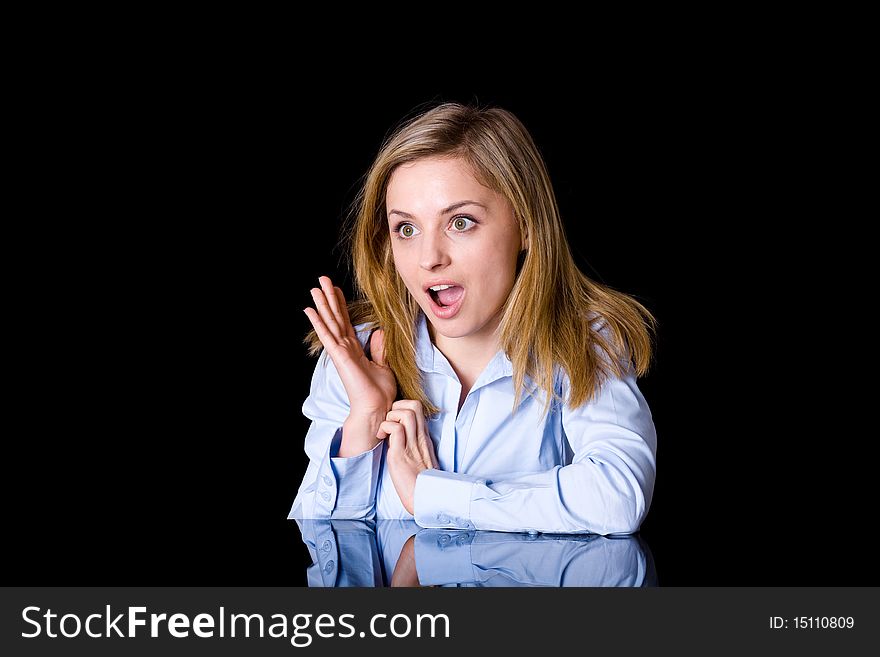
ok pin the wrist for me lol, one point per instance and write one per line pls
(359, 434)
(362, 415)
(364, 425)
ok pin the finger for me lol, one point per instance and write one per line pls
(396, 435)
(384, 427)
(413, 408)
(408, 419)
(324, 334)
(343, 307)
(405, 437)
(412, 404)
(332, 301)
(325, 312)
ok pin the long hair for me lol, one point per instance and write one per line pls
(549, 318)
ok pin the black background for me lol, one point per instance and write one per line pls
(179, 216)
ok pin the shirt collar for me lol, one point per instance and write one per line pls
(431, 359)
(424, 346)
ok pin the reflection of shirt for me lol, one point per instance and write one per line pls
(585, 469)
(357, 553)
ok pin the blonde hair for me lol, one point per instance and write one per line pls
(549, 318)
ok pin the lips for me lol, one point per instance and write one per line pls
(448, 293)
(445, 303)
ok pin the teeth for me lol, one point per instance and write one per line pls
(437, 288)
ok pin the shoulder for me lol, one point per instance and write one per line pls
(607, 348)
(598, 323)
(364, 332)
(608, 343)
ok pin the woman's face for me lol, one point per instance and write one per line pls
(448, 229)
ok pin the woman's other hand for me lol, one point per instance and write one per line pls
(410, 448)
(369, 384)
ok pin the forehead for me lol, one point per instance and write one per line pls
(435, 182)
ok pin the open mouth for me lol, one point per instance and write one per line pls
(446, 298)
(447, 295)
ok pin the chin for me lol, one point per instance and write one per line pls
(450, 332)
(458, 327)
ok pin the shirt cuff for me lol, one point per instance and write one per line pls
(347, 485)
(444, 557)
(443, 499)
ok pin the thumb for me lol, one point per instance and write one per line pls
(377, 347)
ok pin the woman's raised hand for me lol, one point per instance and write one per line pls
(370, 384)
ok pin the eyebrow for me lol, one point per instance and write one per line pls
(451, 208)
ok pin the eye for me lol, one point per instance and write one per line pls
(462, 224)
(406, 231)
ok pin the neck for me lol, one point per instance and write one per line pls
(468, 355)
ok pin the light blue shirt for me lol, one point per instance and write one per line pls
(578, 470)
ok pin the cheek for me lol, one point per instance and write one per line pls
(397, 257)
(403, 266)
(493, 264)
(497, 271)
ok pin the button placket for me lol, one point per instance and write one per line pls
(463, 425)
(446, 450)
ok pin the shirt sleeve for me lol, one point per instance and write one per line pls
(343, 553)
(606, 489)
(504, 559)
(333, 487)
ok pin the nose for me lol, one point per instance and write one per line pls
(434, 252)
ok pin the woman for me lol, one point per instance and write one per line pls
(481, 380)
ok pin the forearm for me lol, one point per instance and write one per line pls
(336, 486)
(605, 497)
(359, 433)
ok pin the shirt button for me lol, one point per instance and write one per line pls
(327, 480)
(329, 566)
(326, 496)
(326, 546)
(533, 532)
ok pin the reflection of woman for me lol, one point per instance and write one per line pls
(399, 553)
(480, 380)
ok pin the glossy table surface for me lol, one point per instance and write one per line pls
(400, 553)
